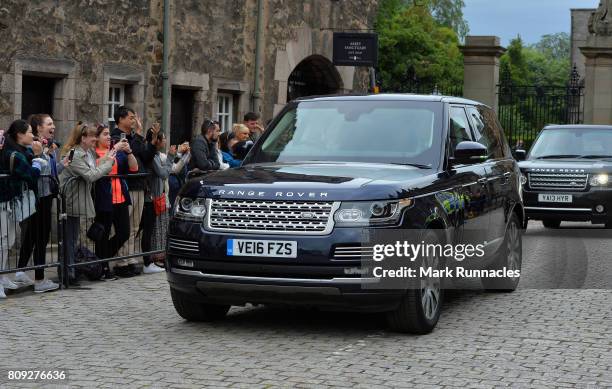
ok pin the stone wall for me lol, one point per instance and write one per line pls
(86, 45)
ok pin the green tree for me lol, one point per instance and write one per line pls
(413, 44)
(544, 63)
(555, 46)
(449, 13)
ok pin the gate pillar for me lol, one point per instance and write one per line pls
(481, 69)
(598, 80)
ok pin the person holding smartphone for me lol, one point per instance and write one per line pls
(23, 168)
(112, 199)
(37, 229)
(129, 127)
(76, 182)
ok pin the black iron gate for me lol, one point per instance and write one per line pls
(525, 109)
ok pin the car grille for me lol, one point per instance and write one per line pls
(183, 246)
(271, 217)
(558, 181)
(349, 253)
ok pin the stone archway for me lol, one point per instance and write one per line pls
(315, 75)
(304, 49)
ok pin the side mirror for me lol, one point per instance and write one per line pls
(520, 155)
(468, 153)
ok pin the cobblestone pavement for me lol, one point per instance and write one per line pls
(125, 333)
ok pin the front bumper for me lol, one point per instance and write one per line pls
(582, 207)
(337, 294)
(314, 278)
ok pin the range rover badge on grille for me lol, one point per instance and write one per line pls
(307, 215)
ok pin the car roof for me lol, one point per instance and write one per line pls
(577, 127)
(391, 97)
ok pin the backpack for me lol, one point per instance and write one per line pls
(93, 271)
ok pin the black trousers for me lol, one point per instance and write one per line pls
(118, 218)
(35, 236)
(146, 229)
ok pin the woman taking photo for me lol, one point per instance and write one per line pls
(76, 182)
(36, 231)
(23, 167)
(112, 197)
(154, 222)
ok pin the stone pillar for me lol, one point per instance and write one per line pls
(598, 80)
(598, 71)
(481, 69)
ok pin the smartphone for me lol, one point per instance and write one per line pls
(123, 137)
(71, 155)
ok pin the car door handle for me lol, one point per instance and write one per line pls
(507, 177)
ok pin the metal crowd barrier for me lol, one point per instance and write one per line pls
(21, 241)
(71, 218)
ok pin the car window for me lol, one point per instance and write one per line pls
(401, 132)
(487, 130)
(459, 127)
(477, 123)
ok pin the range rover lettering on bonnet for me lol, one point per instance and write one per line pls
(253, 193)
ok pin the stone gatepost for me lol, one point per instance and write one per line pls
(598, 72)
(481, 69)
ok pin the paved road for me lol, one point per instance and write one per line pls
(125, 333)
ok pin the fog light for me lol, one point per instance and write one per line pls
(184, 262)
(599, 208)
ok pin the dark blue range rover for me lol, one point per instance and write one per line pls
(287, 226)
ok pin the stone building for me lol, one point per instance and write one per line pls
(78, 59)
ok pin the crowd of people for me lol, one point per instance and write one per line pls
(119, 183)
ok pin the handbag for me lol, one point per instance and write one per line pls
(96, 232)
(24, 204)
(159, 204)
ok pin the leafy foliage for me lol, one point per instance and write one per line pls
(415, 45)
(544, 63)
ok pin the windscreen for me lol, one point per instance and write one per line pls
(573, 143)
(401, 132)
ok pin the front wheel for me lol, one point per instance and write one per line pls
(420, 309)
(193, 311)
(510, 256)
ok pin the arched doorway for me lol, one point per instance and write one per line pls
(315, 75)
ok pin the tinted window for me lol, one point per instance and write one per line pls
(355, 131)
(487, 130)
(459, 127)
(573, 142)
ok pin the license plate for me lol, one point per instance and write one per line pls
(261, 248)
(554, 198)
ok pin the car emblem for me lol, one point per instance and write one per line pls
(307, 215)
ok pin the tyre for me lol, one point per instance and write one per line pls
(549, 223)
(193, 311)
(420, 309)
(510, 256)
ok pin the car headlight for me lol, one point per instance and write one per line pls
(190, 209)
(523, 179)
(599, 180)
(371, 213)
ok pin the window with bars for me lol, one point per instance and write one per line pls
(225, 111)
(116, 98)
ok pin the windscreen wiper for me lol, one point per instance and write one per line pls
(417, 165)
(595, 156)
(552, 156)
